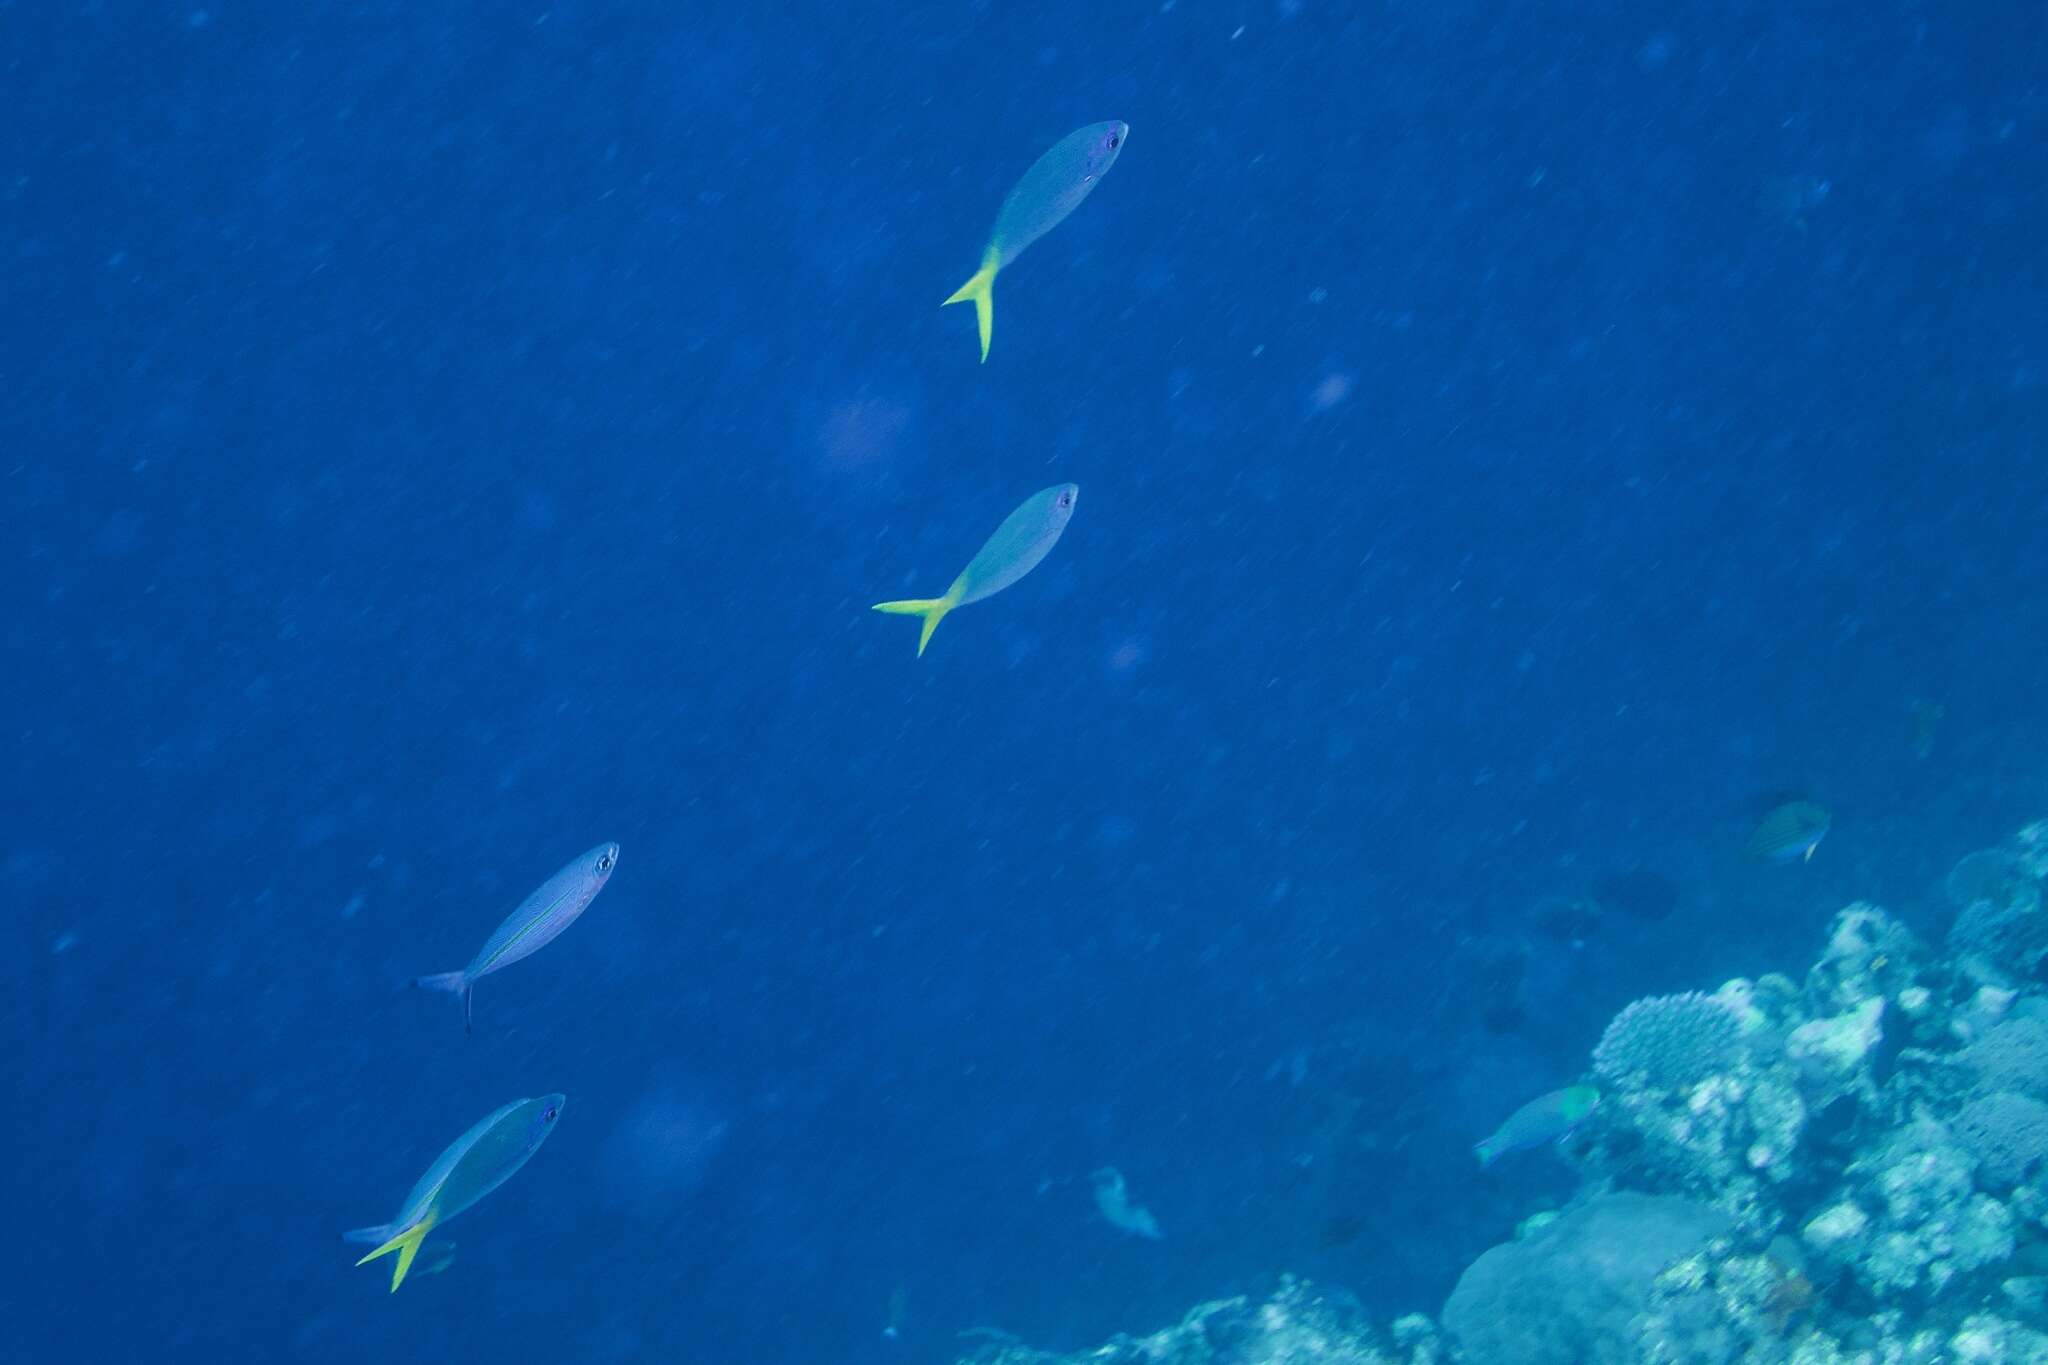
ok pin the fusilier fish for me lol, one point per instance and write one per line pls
(1026, 536)
(1543, 1119)
(534, 925)
(476, 1163)
(1790, 833)
(1053, 188)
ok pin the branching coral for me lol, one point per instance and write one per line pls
(1667, 1042)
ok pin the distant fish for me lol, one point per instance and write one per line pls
(1639, 892)
(1053, 188)
(1114, 1201)
(1340, 1229)
(893, 1328)
(1790, 833)
(1787, 199)
(1026, 536)
(534, 925)
(1543, 1119)
(476, 1163)
(1927, 718)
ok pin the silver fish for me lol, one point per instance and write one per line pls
(534, 925)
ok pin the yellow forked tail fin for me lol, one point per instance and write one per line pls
(932, 609)
(407, 1245)
(981, 290)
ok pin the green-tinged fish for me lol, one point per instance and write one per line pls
(1026, 536)
(534, 925)
(1053, 188)
(1790, 833)
(476, 1163)
(1543, 1119)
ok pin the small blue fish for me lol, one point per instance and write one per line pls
(1026, 536)
(1053, 188)
(534, 925)
(476, 1163)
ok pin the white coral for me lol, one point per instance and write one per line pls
(1837, 1230)
(1839, 1044)
(1669, 1042)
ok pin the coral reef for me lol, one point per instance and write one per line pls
(2000, 934)
(1849, 1169)
(2012, 1055)
(2007, 1133)
(1668, 1041)
(1298, 1324)
(1568, 1292)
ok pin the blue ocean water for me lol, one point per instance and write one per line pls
(1512, 437)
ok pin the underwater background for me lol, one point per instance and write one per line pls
(1515, 440)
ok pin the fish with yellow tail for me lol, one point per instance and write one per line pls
(1053, 188)
(476, 1163)
(1026, 536)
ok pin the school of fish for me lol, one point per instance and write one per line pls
(500, 1143)
(503, 1141)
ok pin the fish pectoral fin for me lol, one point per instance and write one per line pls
(981, 290)
(932, 609)
(407, 1245)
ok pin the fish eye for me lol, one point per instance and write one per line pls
(548, 1115)
(604, 864)
(1112, 141)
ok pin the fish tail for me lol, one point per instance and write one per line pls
(981, 289)
(457, 983)
(381, 1233)
(406, 1243)
(932, 609)
(1488, 1151)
